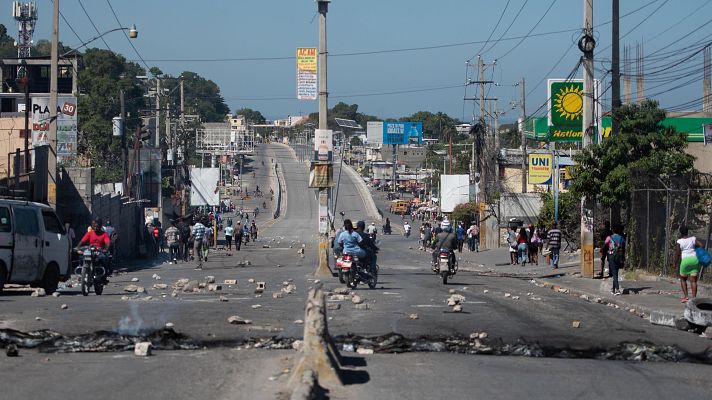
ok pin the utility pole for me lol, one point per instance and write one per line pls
(53, 78)
(158, 113)
(615, 64)
(523, 112)
(496, 147)
(124, 149)
(587, 45)
(324, 192)
(483, 130)
(28, 132)
(706, 87)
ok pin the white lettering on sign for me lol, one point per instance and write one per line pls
(396, 128)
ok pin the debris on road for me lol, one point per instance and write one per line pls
(341, 290)
(356, 299)
(134, 289)
(11, 351)
(39, 292)
(260, 287)
(230, 282)
(156, 277)
(457, 308)
(507, 295)
(64, 307)
(455, 299)
(209, 279)
(364, 351)
(223, 298)
(256, 306)
(452, 291)
(297, 345)
(289, 288)
(236, 320)
(191, 286)
(160, 286)
(576, 324)
(277, 295)
(143, 349)
(298, 322)
(214, 287)
(56, 294)
(180, 283)
(362, 306)
(134, 279)
(333, 307)
(413, 316)
(485, 291)
(251, 280)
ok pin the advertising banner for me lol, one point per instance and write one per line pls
(402, 132)
(321, 175)
(455, 191)
(565, 103)
(323, 145)
(307, 73)
(374, 132)
(540, 169)
(204, 186)
(66, 126)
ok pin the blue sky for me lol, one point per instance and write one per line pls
(426, 79)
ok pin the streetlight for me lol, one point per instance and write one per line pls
(133, 34)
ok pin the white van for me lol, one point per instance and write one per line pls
(34, 248)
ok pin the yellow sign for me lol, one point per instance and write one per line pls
(306, 59)
(540, 168)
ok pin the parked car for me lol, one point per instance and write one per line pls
(34, 248)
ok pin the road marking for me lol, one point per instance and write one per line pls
(427, 306)
(391, 293)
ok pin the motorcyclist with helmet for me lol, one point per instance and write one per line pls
(367, 244)
(445, 240)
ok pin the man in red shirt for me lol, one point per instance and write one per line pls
(96, 237)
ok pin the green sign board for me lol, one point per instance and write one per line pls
(565, 110)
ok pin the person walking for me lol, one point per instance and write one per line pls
(460, 236)
(534, 244)
(522, 246)
(173, 241)
(686, 258)
(511, 238)
(229, 230)
(427, 236)
(554, 238)
(253, 231)
(605, 233)
(238, 236)
(616, 248)
(473, 237)
(197, 235)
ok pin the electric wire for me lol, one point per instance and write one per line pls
(93, 24)
(491, 33)
(116, 17)
(530, 31)
(508, 28)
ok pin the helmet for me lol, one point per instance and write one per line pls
(445, 225)
(360, 225)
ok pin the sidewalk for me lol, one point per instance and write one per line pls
(648, 296)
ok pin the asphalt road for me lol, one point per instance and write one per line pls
(406, 286)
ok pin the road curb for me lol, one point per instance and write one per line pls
(319, 353)
(364, 193)
(654, 316)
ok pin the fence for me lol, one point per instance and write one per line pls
(656, 215)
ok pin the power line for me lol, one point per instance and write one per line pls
(93, 24)
(491, 33)
(508, 28)
(636, 26)
(530, 31)
(148, 69)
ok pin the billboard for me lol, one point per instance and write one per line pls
(565, 103)
(321, 175)
(306, 73)
(540, 169)
(455, 191)
(323, 145)
(402, 132)
(374, 132)
(66, 126)
(204, 186)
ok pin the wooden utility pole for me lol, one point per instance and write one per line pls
(615, 64)
(587, 45)
(324, 192)
(523, 115)
(53, 79)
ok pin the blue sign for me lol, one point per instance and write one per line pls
(402, 132)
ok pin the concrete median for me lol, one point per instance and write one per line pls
(319, 353)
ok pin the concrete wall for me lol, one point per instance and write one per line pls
(703, 154)
(11, 139)
(524, 206)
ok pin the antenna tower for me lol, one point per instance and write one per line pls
(26, 16)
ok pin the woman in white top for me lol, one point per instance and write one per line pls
(687, 260)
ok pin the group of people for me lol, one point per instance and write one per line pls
(356, 241)
(525, 245)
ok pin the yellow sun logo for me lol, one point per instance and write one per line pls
(568, 102)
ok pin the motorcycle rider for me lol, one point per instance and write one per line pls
(371, 230)
(367, 244)
(445, 240)
(387, 227)
(350, 240)
(406, 228)
(99, 238)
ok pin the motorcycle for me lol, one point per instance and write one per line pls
(406, 232)
(386, 229)
(444, 265)
(352, 271)
(91, 273)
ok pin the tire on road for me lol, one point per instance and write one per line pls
(3, 276)
(699, 311)
(50, 280)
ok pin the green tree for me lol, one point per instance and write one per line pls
(254, 116)
(643, 147)
(101, 76)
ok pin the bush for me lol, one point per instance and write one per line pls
(464, 212)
